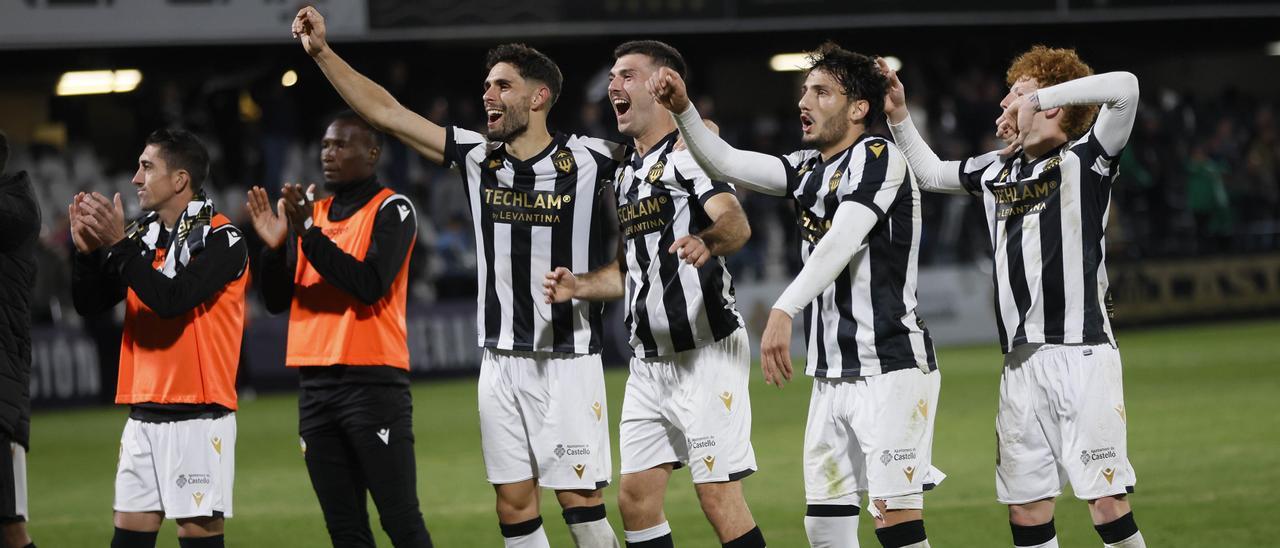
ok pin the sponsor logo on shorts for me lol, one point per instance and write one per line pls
(703, 442)
(1094, 455)
(192, 479)
(579, 450)
(710, 461)
(922, 407)
(909, 471)
(198, 497)
(303, 444)
(217, 444)
(1120, 410)
(727, 398)
(897, 455)
(385, 435)
(597, 409)
(1109, 474)
(579, 469)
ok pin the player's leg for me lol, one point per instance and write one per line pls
(1027, 473)
(893, 418)
(201, 532)
(506, 447)
(137, 506)
(650, 449)
(334, 469)
(572, 447)
(640, 498)
(831, 479)
(377, 421)
(1094, 439)
(13, 495)
(712, 406)
(195, 467)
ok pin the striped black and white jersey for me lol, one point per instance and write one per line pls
(531, 216)
(671, 306)
(865, 323)
(1046, 220)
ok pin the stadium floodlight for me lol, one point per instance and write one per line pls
(91, 82)
(789, 62)
(289, 78)
(1273, 48)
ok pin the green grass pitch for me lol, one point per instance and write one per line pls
(1204, 437)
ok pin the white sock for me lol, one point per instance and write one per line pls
(593, 534)
(922, 544)
(1134, 541)
(832, 532)
(651, 533)
(1053, 543)
(536, 539)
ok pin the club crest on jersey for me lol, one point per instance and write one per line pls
(876, 148)
(1052, 163)
(495, 163)
(835, 181)
(655, 172)
(563, 161)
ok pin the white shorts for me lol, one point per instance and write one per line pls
(871, 434)
(543, 415)
(1061, 418)
(691, 408)
(14, 508)
(184, 468)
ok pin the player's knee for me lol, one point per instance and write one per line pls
(15, 534)
(199, 527)
(1108, 509)
(1032, 513)
(899, 509)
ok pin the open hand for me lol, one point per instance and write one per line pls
(297, 206)
(104, 218)
(895, 99)
(269, 225)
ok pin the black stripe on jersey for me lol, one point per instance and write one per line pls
(1017, 273)
(1095, 194)
(639, 316)
(723, 320)
(521, 258)
(673, 302)
(562, 254)
(821, 371)
(890, 259)
(1051, 275)
(847, 330)
(492, 306)
(602, 216)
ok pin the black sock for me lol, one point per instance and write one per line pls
(520, 529)
(1122, 528)
(201, 542)
(663, 541)
(32, 545)
(750, 539)
(1033, 535)
(902, 534)
(125, 538)
(583, 514)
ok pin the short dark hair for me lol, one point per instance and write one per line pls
(182, 150)
(530, 63)
(662, 54)
(858, 74)
(350, 117)
(4, 151)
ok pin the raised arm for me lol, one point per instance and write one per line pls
(370, 100)
(759, 172)
(932, 173)
(1117, 92)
